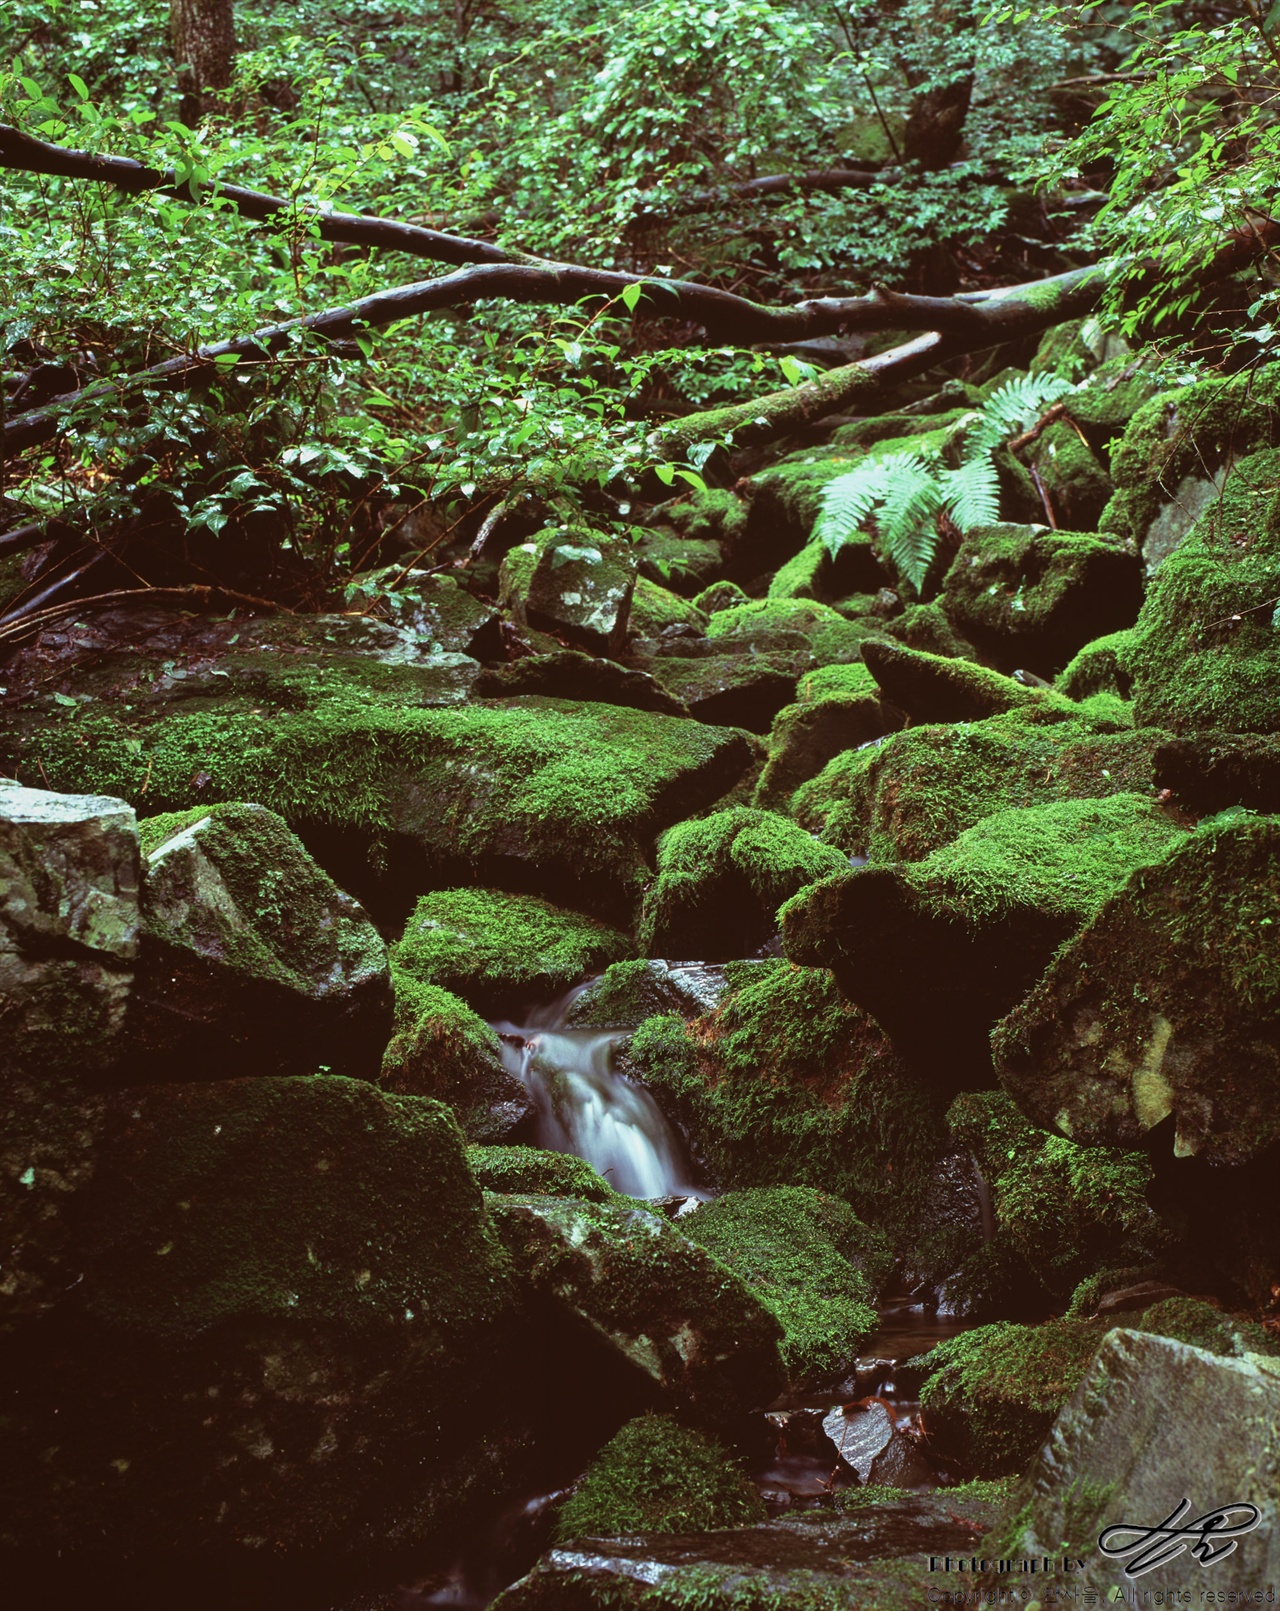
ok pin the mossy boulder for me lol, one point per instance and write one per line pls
(732, 689)
(805, 736)
(656, 1476)
(689, 1332)
(1031, 598)
(574, 582)
(442, 1049)
(788, 1084)
(1212, 772)
(435, 609)
(913, 792)
(531, 1172)
(721, 880)
(1101, 667)
(1077, 485)
(1206, 653)
(69, 928)
(288, 1306)
(571, 674)
(553, 796)
(252, 959)
(629, 992)
(762, 625)
(1059, 1211)
(810, 1259)
(655, 609)
(488, 946)
(929, 628)
(938, 950)
(1165, 1007)
(816, 573)
(783, 504)
(685, 564)
(933, 688)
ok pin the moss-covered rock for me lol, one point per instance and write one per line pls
(697, 1338)
(571, 674)
(442, 1049)
(1074, 481)
(788, 1084)
(531, 1172)
(932, 688)
(709, 514)
(719, 596)
(805, 736)
(289, 1301)
(816, 573)
(435, 609)
(734, 689)
(1166, 1006)
(1212, 772)
(574, 582)
(761, 625)
(929, 628)
(916, 791)
(810, 1259)
(1059, 1211)
(252, 959)
(655, 608)
(488, 946)
(1206, 653)
(656, 1476)
(938, 950)
(560, 797)
(629, 992)
(721, 880)
(685, 564)
(1031, 598)
(1101, 667)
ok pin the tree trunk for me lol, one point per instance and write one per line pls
(202, 33)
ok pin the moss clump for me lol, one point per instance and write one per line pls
(525, 1171)
(1076, 484)
(836, 682)
(904, 797)
(1206, 653)
(990, 1396)
(810, 1259)
(654, 608)
(721, 880)
(1191, 1320)
(710, 515)
(815, 573)
(804, 737)
(933, 688)
(629, 992)
(772, 615)
(929, 628)
(719, 596)
(1060, 1210)
(483, 944)
(656, 1476)
(786, 1083)
(1101, 667)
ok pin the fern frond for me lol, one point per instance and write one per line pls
(971, 494)
(1014, 407)
(907, 520)
(847, 503)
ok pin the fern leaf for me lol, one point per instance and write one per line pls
(847, 503)
(971, 494)
(1014, 407)
(907, 520)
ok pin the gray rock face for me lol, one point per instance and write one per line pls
(1191, 497)
(575, 583)
(1154, 1424)
(69, 922)
(866, 1439)
(251, 949)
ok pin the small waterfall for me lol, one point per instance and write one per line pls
(583, 1107)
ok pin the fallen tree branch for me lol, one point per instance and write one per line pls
(13, 627)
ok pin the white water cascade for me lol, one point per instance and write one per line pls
(583, 1107)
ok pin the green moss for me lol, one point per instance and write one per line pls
(708, 515)
(786, 1083)
(810, 1260)
(656, 1476)
(570, 790)
(1206, 652)
(934, 688)
(723, 877)
(1191, 1320)
(719, 596)
(1077, 485)
(800, 577)
(912, 792)
(654, 607)
(524, 1171)
(483, 944)
(928, 627)
(837, 681)
(772, 615)
(1101, 667)
(805, 737)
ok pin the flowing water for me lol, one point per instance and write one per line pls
(585, 1107)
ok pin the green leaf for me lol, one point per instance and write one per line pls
(78, 84)
(631, 295)
(791, 369)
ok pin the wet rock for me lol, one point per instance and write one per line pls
(574, 582)
(810, 1259)
(1188, 501)
(531, 1172)
(931, 688)
(1212, 772)
(288, 1302)
(1109, 1467)
(700, 1340)
(788, 1084)
(629, 992)
(938, 950)
(732, 689)
(685, 564)
(867, 1440)
(252, 958)
(1033, 597)
(907, 795)
(655, 1476)
(870, 1558)
(442, 1049)
(69, 927)
(545, 795)
(435, 609)
(1164, 1007)
(721, 880)
(490, 947)
(1206, 651)
(570, 674)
